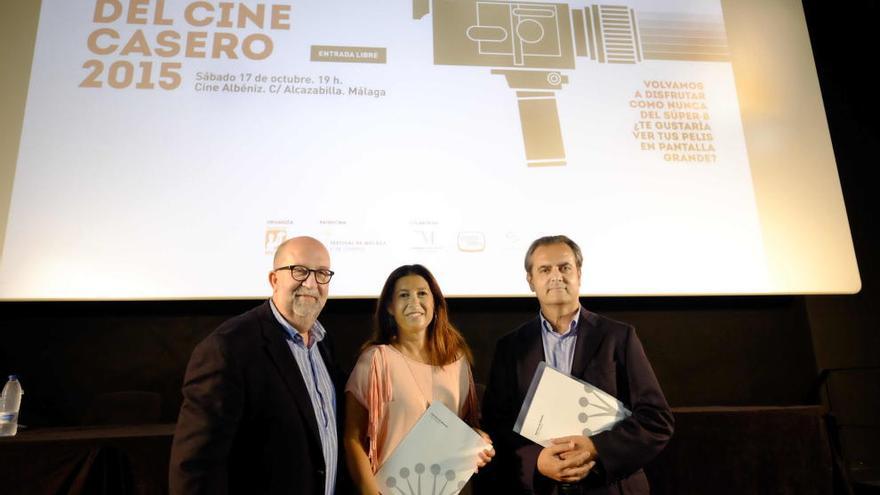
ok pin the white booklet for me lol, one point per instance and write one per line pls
(559, 405)
(437, 457)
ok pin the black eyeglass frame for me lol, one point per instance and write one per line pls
(319, 273)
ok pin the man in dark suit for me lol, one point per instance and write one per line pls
(260, 392)
(598, 350)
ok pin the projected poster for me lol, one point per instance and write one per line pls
(169, 146)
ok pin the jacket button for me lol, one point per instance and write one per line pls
(320, 472)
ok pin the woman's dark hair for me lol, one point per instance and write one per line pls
(445, 343)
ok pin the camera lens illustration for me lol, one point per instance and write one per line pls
(531, 43)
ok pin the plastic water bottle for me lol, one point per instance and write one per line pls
(10, 402)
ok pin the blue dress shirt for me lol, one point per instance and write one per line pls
(559, 347)
(320, 387)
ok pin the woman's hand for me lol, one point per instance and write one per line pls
(485, 456)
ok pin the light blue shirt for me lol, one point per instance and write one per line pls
(320, 388)
(559, 347)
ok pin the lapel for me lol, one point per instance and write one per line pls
(533, 353)
(589, 338)
(276, 346)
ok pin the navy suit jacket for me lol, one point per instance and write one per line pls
(609, 355)
(247, 424)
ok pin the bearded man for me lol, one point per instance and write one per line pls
(259, 412)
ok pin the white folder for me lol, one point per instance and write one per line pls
(559, 405)
(436, 457)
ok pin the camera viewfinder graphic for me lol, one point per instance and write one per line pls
(531, 44)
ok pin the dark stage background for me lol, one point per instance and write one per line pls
(707, 351)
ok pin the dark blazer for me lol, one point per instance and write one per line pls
(247, 424)
(607, 354)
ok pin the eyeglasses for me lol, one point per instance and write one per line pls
(301, 273)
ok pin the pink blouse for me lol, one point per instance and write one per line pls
(395, 390)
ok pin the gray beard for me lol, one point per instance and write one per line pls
(309, 311)
(306, 311)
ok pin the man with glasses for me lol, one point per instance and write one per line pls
(260, 394)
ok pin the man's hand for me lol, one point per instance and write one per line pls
(580, 444)
(567, 459)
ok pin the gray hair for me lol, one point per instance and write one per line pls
(553, 239)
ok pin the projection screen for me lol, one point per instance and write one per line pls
(162, 149)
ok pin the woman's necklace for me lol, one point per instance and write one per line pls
(416, 381)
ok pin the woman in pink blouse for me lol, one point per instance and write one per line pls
(415, 357)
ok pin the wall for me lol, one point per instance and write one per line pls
(706, 351)
(845, 328)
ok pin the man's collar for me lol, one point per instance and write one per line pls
(572, 328)
(316, 333)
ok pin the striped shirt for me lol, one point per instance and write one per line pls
(320, 388)
(559, 347)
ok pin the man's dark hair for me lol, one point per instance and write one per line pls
(553, 239)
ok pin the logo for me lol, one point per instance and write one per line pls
(471, 242)
(274, 237)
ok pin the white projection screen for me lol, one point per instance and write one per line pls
(162, 149)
